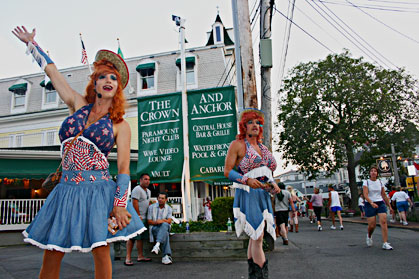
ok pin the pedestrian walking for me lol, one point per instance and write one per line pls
(393, 205)
(283, 201)
(402, 201)
(75, 216)
(317, 201)
(252, 206)
(376, 201)
(335, 207)
(293, 214)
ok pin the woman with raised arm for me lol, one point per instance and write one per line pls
(76, 213)
(249, 164)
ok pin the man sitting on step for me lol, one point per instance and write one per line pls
(159, 218)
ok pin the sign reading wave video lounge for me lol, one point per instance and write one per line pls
(160, 151)
(212, 126)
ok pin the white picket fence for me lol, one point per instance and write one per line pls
(17, 214)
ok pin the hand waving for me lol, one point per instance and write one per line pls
(23, 34)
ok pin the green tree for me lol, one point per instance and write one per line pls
(332, 110)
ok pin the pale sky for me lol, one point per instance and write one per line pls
(145, 27)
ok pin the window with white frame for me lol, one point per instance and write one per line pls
(19, 100)
(49, 95)
(218, 33)
(19, 96)
(49, 137)
(191, 73)
(16, 140)
(147, 76)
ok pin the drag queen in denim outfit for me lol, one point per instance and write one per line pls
(249, 164)
(75, 214)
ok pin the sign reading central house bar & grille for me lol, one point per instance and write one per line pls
(212, 127)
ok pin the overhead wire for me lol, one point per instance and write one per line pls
(356, 44)
(375, 7)
(362, 39)
(383, 23)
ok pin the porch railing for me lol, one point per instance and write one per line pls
(17, 214)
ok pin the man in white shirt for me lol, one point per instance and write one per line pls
(140, 200)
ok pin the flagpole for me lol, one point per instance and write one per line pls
(185, 120)
(130, 88)
(87, 59)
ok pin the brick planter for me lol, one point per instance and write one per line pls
(195, 246)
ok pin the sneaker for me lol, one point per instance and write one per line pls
(156, 249)
(405, 223)
(369, 241)
(166, 260)
(319, 228)
(341, 228)
(311, 222)
(332, 227)
(386, 246)
(392, 221)
(401, 221)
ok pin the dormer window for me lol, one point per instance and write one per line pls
(218, 33)
(19, 97)
(49, 95)
(147, 76)
(191, 73)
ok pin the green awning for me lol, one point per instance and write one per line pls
(188, 60)
(146, 66)
(41, 168)
(19, 88)
(49, 86)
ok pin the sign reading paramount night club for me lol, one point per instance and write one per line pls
(212, 126)
(160, 137)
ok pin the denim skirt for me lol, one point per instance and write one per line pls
(75, 215)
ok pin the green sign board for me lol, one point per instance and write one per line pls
(212, 127)
(160, 134)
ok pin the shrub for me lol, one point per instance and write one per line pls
(198, 226)
(222, 209)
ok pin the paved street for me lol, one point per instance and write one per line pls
(311, 254)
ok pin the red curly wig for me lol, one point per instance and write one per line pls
(117, 110)
(246, 116)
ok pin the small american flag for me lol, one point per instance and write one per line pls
(83, 52)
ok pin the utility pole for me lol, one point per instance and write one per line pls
(395, 169)
(237, 55)
(265, 54)
(246, 51)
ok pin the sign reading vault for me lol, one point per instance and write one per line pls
(160, 151)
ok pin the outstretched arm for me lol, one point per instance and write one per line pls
(70, 97)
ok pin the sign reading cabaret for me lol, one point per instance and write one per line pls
(212, 126)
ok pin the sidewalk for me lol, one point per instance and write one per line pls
(412, 225)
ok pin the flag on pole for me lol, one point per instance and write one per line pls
(83, 53)
(84, 59)
(119, 50)
(130, 88)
